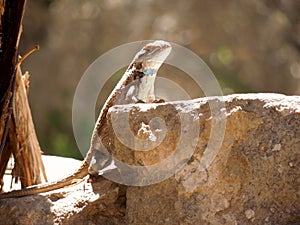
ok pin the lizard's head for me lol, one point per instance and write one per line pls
(152, 56)
(146, 64)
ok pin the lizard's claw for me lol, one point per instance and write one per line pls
(155, 101)
(158, 101)
(91, 178)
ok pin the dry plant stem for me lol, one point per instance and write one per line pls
(12, 91)
(9, 112)
(35, 48)
(28, 154)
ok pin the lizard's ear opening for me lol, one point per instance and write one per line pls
(138, 75)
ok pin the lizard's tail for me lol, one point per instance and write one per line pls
(50, 186)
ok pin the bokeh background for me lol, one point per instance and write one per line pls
(251, 46)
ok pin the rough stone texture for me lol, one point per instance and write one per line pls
(100, 203)
(254, 178)
(56, 168)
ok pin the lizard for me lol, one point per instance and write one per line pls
(135, 86)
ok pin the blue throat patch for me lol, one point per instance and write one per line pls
(149, 71)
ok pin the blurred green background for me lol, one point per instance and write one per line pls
(251, 46)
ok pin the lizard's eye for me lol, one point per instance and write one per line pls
(149, 71)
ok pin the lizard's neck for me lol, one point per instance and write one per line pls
(140, 84)
(137, 84)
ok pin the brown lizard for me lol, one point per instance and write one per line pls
(136, 85)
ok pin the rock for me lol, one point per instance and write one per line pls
(252, 177)
(249, 213)
(56, 168)
(99, 203)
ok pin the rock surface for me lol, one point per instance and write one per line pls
(56, 168)
(253, 179)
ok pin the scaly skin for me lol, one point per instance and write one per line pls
(136, 85)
